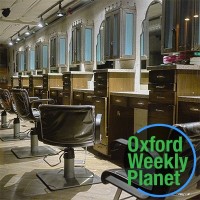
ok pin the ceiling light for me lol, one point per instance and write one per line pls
(60, 12)
(196, 16)
(41, 22)
(10, 42)
(18, 37)
(187, 19)
(27, 31)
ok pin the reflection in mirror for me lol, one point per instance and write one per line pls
(101, 63)
(150, 40)
(100, 45)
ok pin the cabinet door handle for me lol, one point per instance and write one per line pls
(194, 109)
(78, 95)
(160, 86)
(89, 97)
(160, 97)
(118, 113)
(98, 101)
(140, 103)
(160, 76)
(158, 110)
(118, 100)
(100, 84)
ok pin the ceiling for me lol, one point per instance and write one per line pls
(27, 12)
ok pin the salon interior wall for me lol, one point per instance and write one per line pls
(96, 15)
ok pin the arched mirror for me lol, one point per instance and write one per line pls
(100, 45)
(150, 41)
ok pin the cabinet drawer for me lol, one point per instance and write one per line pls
(66, 77)
(36, 91)
(100, 77)
(162, 97)
(66, 98)
(78, 95)
(101, 92)
(188, 112)
(161, 111)
(66, 87)
(162, 87)
(138, 103)
(88, 97)
(162, 76)
(119, 101)
(60, 93)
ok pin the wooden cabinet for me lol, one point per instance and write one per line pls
(82, 43)
(188, 109)
(34, 80)
(128, 113)
(83, 97)
(165, 85)
(24, 82)
(105, 82)
(74, 80)
(120, 28)
(15, 82)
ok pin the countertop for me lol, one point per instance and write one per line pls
(178, 67)
(83, 90)
(56, 88)
(115, 70)
(193, 99)
(138, 94)
(77, 72)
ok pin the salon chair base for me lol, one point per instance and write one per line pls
(6, 127)
(12, 138)
(25, 152)
(55, 180)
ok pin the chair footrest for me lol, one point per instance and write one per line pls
(55, 180)
(119, 178)
(25, 152)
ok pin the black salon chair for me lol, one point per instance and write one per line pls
(118, 177)
(26, 111)
(69, 127)
(9, 107)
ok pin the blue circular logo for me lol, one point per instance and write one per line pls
(194, 162)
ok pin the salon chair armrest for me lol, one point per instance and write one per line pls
(33, 98)
(51, 101)
(97, 128)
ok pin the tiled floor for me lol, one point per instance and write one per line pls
(18, 180)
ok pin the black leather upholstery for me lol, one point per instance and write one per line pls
(7, 101)
(68, 126)
(24, 105)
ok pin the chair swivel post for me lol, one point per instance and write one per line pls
(34, 141)
(16, 127)
(3, 119)
(69, 162)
